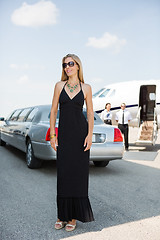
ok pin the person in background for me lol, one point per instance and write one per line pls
(123, 117)
(106, 115)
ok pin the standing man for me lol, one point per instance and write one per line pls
(123, 117)
(106, 115)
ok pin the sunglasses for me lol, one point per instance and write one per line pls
(70, 64)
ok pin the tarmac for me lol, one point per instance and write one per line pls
(125, 197)
(145, 229)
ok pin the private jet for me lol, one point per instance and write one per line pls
(142, 99)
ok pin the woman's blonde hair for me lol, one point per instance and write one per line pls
(64, 76)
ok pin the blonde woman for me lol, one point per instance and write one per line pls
(73, 144)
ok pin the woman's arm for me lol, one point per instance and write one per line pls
(53, 116)
(90, 117)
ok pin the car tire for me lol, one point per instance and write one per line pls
(2, 143)
(32, 161)
(100, 163)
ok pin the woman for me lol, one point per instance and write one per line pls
(73, 144)
(106, 115)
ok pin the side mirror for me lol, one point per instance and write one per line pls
(2, 118)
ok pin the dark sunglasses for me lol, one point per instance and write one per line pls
(70, 64)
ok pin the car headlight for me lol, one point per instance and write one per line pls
(98, 138)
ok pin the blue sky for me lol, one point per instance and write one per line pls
(116, 41)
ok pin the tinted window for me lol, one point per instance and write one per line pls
(45, 114)
(23, 114)
(15, 115)
(9, 116)
(31, 115)
(97, 119)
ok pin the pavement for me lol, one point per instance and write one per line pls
(144, 229)
(125, 198)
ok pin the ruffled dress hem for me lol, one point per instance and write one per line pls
(78, 208)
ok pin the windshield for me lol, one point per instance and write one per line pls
(99, 92)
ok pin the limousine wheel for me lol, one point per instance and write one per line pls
(32, 161)
(2, 143)
(100, 163)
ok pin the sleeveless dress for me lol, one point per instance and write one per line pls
(72, 161)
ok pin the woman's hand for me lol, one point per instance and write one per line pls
(54, 143)
(88, 142)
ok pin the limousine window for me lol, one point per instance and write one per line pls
(31, 115)
(97, 119)
(22, 115)
(15, 115)
(10, 115)
(45, 115)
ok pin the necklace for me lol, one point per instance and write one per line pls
(72, 88)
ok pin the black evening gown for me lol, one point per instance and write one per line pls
(72, 161)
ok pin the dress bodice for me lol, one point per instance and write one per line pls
(76, 102)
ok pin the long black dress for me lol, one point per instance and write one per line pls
(72, 161)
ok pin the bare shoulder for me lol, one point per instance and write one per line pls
(86, 90)
(86, 87)
(59, 85)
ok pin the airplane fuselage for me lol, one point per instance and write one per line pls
(133, 93)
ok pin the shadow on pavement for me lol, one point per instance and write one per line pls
(144, 148)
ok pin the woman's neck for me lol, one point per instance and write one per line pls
(73, 80)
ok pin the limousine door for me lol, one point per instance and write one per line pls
(21, 129)
(20, 135)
